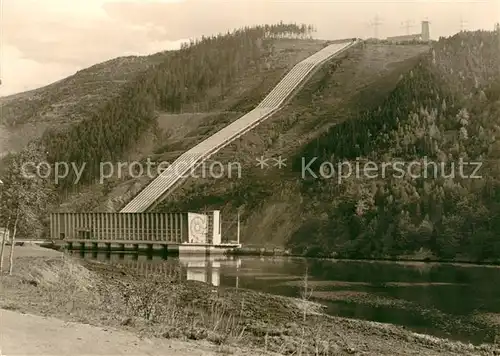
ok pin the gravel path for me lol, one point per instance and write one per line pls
(24, 334)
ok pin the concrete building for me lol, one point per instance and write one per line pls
(423, 36)
(133, 232)
(179, 228)
(405, 38)
(426, 34)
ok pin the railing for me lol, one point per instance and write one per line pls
(190, 160)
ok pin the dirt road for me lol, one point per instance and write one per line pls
(24, 334)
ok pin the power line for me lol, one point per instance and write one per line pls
(407, 25)
(375, 24)
(462, 24)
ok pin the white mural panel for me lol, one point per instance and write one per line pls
(198, 228)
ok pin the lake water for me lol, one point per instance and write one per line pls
(460, 302)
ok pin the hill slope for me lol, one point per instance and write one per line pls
(378, 103)
(442, 106)
(151, 104)
(369, 68)
(439, 106)
(269, 199)
(26, 116)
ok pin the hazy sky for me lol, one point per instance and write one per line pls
(47, 40)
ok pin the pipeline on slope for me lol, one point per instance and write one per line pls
(191, 159)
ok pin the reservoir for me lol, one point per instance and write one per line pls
(454, 301)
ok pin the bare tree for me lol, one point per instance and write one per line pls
(306, 293)
(5, 231)
(13, 244)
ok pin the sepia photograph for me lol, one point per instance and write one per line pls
(249, 177)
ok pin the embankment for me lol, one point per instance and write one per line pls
(167, 308)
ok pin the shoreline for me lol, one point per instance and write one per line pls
(279, 252)
(50, 283)
(264, 252)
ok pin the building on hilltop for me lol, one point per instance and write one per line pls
(405, 38)
(426, 33)
(424, 36)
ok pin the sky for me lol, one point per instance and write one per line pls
(43, 41)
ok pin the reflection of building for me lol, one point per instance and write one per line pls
(206, 269)
(196, 268)
(195, 273)
(215, 275)
(424, 36)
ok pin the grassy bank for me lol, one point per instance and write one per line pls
(54, 284)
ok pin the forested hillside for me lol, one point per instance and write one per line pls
(106, 112)
(195, 77)
(270, 200)
(379, 103)
(26, 116)
(444, 108)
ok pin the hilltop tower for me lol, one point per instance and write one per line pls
(425, 31)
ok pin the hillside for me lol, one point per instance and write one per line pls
(26, 116)
(269, 200)
(442, 106)
(159, 103)
(370, 67)
(228, 67)
(377, 102)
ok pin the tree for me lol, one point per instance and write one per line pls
(26, 194)
(2, 248)
(13, 244)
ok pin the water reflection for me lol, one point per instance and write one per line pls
(453, 301)
(206, 269)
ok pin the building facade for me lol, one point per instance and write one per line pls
(176, 228)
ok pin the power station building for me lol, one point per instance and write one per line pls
(173, 228)
(424, 36)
